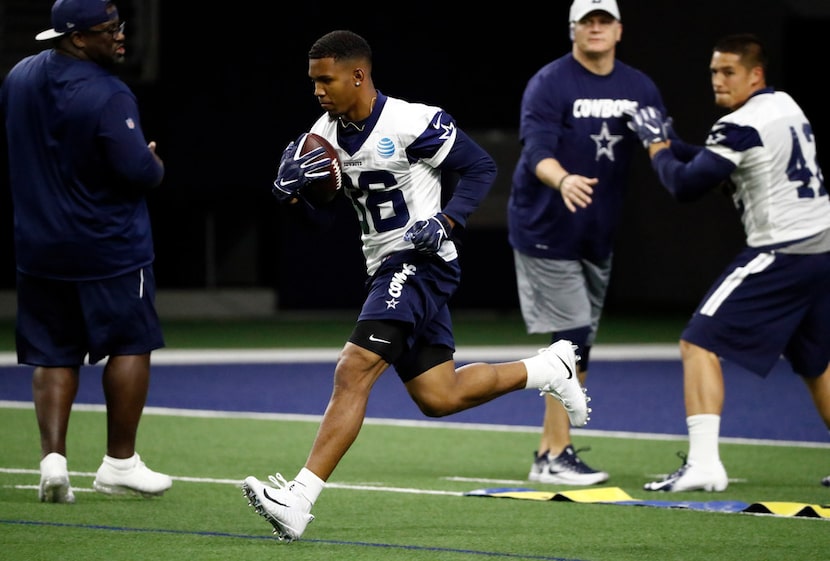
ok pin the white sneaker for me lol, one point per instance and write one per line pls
(692, 477)
(565, 469)
(288, 512)
(54, 480)
(137, 479)
(564, 384)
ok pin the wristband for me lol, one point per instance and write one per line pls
(562, 181)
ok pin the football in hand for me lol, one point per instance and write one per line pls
(322, 191)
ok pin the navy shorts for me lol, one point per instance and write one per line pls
(410, 292)
(766, 305)
(59, 322)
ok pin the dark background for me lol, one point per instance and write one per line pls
(223, 90)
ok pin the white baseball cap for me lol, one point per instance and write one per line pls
(581, 8)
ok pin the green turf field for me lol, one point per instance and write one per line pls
(399, 493)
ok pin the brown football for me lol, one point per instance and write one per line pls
(323, 191)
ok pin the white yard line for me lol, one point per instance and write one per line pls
(329, 354)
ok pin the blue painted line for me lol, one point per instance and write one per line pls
(626, 396)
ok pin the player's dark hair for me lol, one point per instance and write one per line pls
(746, 45)
(341, 44)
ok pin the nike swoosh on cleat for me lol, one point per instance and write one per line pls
(376, 340)
(568, 368)
(272, 499)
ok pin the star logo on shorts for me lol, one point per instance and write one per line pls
(392, 304)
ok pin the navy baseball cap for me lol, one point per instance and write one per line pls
(77, 15)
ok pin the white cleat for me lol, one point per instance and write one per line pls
(54, 480)
(137, 479)
(692, 477)
(564, 384)
(288, 512)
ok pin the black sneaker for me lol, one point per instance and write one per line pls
(565, 469)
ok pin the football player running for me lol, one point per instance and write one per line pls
(774, 298)
(393, 153)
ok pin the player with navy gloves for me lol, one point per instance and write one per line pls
(393, 153)
(773, 300)
(566, 201)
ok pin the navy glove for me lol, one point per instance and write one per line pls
(298, 170)
(428, 235)
(649, 124)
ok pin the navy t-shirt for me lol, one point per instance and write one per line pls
(577, 117)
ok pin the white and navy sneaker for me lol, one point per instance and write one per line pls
(692, 477)
(826, 481)
(565, 469)
(288, 512)
(564, 384)
(54, 480)
(135, 478)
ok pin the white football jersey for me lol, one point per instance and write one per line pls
(391, 177)
(779, 187)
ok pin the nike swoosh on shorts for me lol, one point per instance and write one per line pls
(374, 339)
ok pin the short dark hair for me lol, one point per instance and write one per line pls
(341, 44)
(746, 45)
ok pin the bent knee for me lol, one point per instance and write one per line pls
(435, 412)
(695, 354)
(357, 368)
(437, 407)
(688, 349)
